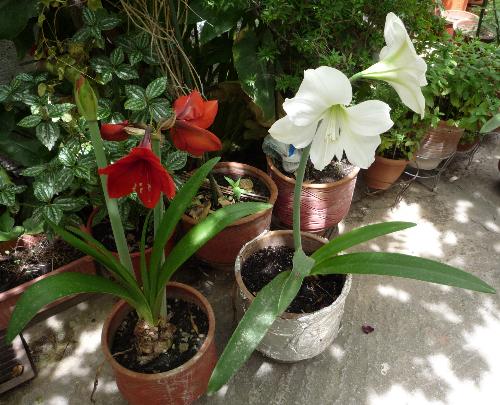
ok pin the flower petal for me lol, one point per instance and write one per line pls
(285, 131)
(189, 107)
(369, 118)
(321, 88)
(395, 33)
(194, 140)
(207, 118)
(360, 150)
(323, 150)
(114, 132)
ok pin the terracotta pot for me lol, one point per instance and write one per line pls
(221, 251)
(455, 4)
(135, 256)
(9, 298)
(384, 172)
(322, 205)
(438, 144)
(180, 386)
(293, 337)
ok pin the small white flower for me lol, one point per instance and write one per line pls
(400, 66)
(319, 114)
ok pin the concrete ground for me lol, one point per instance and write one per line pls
(431, 345)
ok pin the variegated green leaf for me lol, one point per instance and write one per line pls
(156, 88)
(48, 133)
(30, 121)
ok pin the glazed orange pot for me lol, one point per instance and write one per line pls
(455, 4)
(221, 251)
(134, 256)
(9, 298)
(180, 386)
(384, 172)
(321, 205)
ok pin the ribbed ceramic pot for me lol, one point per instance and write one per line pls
(438, 144)
(180, 386)
(321, 205)
(293, 337)
(220, 251)
(384, 172)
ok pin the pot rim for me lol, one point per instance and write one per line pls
(289, 315)
(392, 162)
(166, 374)
(291, 181)
(262, 176)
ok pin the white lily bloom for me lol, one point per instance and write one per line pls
(319, 114)
(400, 66)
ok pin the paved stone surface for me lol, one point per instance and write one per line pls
(431, 345)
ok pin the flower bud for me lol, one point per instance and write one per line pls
(85, 99)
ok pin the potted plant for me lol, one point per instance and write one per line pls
(461, 95)
(147, 323)
(189, 133)
(326, 195)
(309, 113)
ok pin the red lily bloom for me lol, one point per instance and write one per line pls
(140, 171)
(114, 132)
(193, 117)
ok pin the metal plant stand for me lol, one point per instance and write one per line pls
(16, 366)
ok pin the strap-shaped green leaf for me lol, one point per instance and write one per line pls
(356, 237)
(201, 234)
(400, 265)
(52, 288)
(255, 323)
(172, 216)
(96, 250)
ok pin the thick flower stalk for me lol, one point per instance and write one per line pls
(193, 117)
(140, 171)
(400, 66)
(320, 115)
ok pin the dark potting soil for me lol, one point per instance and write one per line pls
(316, 292)
(191, 330)
(335, 171)
(19, 265)
(104, 234)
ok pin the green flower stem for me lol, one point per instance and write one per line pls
(355, 77)
(299, 179)
(158, 215)
(112, 206)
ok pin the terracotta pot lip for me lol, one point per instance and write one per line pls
(82, 261)
(395, 162)
(88, 228)
(264, 177)
(288, 315)
(151, 377)
(291, 181)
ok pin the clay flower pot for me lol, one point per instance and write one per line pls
(293, 337)
(321, 205)
(9, 298)
(180, 386)
(135, 256)
(221, 251)
(455, 4)
(384, 172)
(438, 144)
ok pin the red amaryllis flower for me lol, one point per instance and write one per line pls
(193, 117)
(114, 132)
(140, 171)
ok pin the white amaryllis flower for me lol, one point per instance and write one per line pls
(400, 66)
(319, 114)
